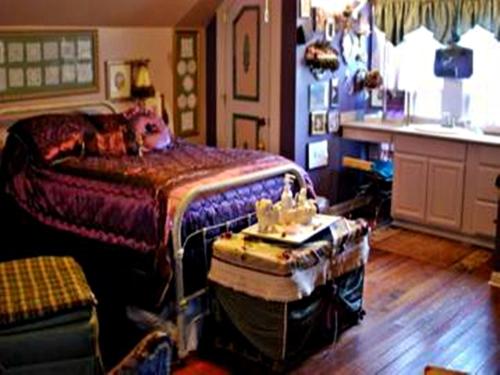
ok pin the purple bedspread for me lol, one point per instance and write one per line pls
(130, 201)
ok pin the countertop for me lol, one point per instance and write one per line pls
(387, 127)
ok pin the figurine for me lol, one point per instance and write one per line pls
(286, 205)
(287, 212)
(267, 215)
(305, 208)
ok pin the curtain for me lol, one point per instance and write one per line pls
(443, 17)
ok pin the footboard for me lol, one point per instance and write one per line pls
(182, 300)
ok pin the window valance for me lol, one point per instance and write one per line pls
(445, 18)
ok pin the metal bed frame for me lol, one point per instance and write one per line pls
(182, 301)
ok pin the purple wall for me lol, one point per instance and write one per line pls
(327, 180)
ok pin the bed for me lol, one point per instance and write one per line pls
(166, 206)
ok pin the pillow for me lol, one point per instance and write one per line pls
(150, 130)
(52, 136)
(111, 136)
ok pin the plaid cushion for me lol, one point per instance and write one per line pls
(40, 288)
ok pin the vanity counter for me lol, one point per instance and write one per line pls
(379, 131)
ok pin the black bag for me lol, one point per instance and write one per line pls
(453, 62)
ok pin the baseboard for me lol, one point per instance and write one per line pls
(442, 233)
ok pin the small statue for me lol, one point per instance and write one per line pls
(305, 208)
(286, 206)
(267, 215)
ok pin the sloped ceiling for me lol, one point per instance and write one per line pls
(122, 13)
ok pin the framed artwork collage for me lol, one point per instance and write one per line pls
(42, 63)
(324, 118)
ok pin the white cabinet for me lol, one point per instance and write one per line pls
(445, 182)
(409, 188)
(428, 182)
(480, 202)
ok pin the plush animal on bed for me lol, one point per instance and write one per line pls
(150, 129)
(267, 215)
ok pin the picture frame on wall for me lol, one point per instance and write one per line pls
(318, 95)
(38, 63)
(334, 93)
(317, 154)
(186, 82)
(319, 19)
(330, 29)
(118, 80)
(305, 8)
(333, 121)
(318, 122)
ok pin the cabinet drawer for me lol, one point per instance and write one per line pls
(489, 156)
(485, 183)
(484, 218)
(366, 135)
(430, 147)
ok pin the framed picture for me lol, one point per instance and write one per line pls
(118, 80)
(318, 96)
(186, 82)
(334, 93)
(319, 20)
(330, 29)
(305, 8)
(44, 63)
(318, 122)
(333, 121)
(317, 154)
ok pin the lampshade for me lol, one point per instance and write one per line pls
(142, 86)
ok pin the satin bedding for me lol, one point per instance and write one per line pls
(131, 201)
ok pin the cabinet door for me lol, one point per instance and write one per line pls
(409, 187)
(445, 193)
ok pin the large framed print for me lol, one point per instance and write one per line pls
(42, 63)
(186, 82)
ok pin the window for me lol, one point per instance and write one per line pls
(409, 66)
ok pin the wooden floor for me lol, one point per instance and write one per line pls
(417, 314)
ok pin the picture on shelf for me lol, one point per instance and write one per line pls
(333, 121)
(318, 96)
(377, 98)
(334, 93)
(317, 154)
(318, 122)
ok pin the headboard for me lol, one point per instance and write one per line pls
(10, 114)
